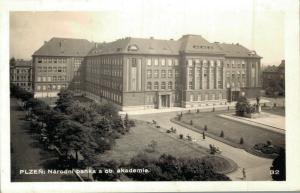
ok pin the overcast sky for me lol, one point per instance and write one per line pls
(258, 25)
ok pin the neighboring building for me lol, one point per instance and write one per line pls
(57, 64)
(140, 73)
(21, 74)
(274, 79)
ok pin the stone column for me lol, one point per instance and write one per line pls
(187, 77)
(224, 76)
(195, 78)
(216, 76)
(208, 75)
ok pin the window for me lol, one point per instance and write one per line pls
(59, 69)
(44, 87)
(148, 62)
(199, 97)
(38, 87)
(190, 85)
(170, 73)
(163, 62)
(54, 69)
(170, 85)
(39, 60)
(155, 62)
(54, 60)
(50, 69)
(191, 97)
(53, 87)
(220, 84)
(213, 97)
(233, 65)
(175, 62)
(190, 62)
(64, 60)
(54, 78)
(64, 69)
(163, 73)
(155, 73)
(155, 85)
(49, 78)
(149, 85)
(149, 73)
(39, 79)
(58, 87)
(169, 62)
(44, 78)
(190, 71)
(44, 69)
(163, 85)
(176, 73)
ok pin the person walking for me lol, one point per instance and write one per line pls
(244, 173)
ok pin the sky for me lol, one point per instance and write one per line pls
(258, 25)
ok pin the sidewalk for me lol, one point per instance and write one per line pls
(181, 109)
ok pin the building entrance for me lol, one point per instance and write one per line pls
(165, 100)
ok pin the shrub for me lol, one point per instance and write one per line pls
(268, 150)
(269, 143)
(259, 146)
(222, 134)
(191, 122)
(152, 146)
(242, 140)
(205, 127)
(242, 106)
(180, 136)
(198, 111)
(213, 110)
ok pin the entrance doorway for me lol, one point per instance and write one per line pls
(235, 95)
(165, 100)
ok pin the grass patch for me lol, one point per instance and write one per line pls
(233, 131)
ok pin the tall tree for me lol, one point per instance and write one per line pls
(65, 100)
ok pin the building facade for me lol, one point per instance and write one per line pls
(274, 79)
(21, 74)
(139, 73)
(57, 65)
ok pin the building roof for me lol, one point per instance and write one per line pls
(186, 44)
(137, 46)
(197, 44)
(65, 47)
(22, 63)
(271, 69)
(236, 50)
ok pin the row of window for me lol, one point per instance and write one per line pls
(102, 92)
(104, 71)
(52, 69)
(23, 84)
(207, 85)
(20, 71)
(20, 78)
(50, 87)
(237, 84)
(105, 60)
(163, 85)
(204, 97)
(163, 73)
(161, 62)
(52, 60)
(51, 78)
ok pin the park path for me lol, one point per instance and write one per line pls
(27, 153)
(257, 168)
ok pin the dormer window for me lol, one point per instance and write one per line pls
(133, 47)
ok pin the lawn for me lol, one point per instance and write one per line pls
(233, 131)
(141, 135)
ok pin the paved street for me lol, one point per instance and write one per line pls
(257, 168)
(27, 153)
